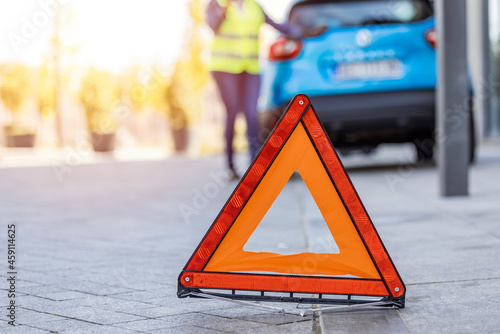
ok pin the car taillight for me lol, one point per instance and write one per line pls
(431, 37)
(284, 49)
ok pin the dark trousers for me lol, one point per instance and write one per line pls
(240, 92)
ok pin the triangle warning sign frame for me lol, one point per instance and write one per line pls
(361, 273)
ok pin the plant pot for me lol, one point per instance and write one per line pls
(181, 139)
(103, 142)
(27, 140)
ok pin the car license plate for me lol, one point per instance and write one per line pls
(381, 69)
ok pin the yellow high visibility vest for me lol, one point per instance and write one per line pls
(235, 47)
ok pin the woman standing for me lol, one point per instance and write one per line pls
(235, 64)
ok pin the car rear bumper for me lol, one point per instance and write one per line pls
(374, 118)
(396, 108)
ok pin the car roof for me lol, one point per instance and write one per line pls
(298, 3)
(326, 1)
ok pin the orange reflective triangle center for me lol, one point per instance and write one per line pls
(298, 143)
(297, 154)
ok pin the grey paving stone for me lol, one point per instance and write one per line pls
(4, 324)
(191, 319)
(145, 325)
(22, 284)
(65, 295)
(114, 304)
(41, 279)
(75, 326)
(152, 312)
(43, 305)
(36, 263)
(40, 290)
(304, 327)
(276, 319)
(98, 316)
(23, 329)
(488, 222)
(210, 322)
(93, 288)
(111, 235)
(236, 311)
(291, 239)
(437, 250)
(27, 317)
(455, 307)
(105, 330)
(369, 322)
(185, 329)
(144, 296)
(186, 305)
(127, 276)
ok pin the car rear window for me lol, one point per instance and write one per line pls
(336, 14)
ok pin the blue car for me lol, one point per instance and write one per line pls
(371, 75)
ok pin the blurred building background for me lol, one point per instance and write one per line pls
(493, 128)
(88, 73)
(124, 75)
(483, 53)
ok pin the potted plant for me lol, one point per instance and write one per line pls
(46, 91)
(184, 93)
(177, 96)
(14, 90)
(99, 95)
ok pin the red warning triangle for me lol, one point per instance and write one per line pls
(362, 267)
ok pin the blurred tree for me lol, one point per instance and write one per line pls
(197, 69)
(56, 59)
(158, 88)
(14, 86)
(177, 96)
(46, 90)
(189, 77)
(64, 45)
(99, 95)
(145, 88)
(134, 88)
(14, 91)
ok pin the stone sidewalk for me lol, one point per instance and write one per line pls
(99, 249)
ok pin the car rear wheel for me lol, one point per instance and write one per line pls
(424, 152)
(472, 133)
(425, 147)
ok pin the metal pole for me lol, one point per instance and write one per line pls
(478, 41)
(452, 98)
(495, 32)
